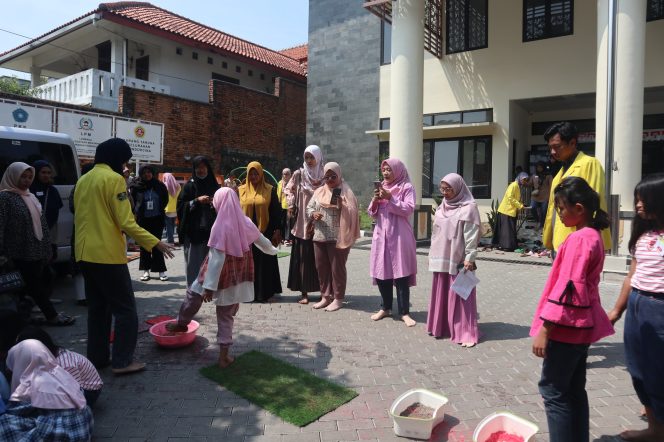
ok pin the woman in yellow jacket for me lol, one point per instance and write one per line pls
(102, 214)
(504, 235)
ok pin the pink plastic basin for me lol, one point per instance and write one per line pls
(165, 338)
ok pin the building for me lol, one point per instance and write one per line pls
(146, 47)
(149, 63)
(470, 86)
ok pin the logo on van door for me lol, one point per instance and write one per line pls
(20, 115)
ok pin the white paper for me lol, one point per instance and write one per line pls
(464, 283)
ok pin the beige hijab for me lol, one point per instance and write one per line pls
(349, 223)
(9, 183)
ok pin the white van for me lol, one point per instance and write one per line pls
(28, 146)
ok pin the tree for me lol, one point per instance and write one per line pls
(11, 85)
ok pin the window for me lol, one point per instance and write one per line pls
(178, 51)
(547, 19)
(469, 157)
(194, 55)
(238, 69)
(224, 65)
(262, 76)
(478, 116)
(210, 61)
(29, 151)
(467, 25)
(385, 43)
(655, 10)
(250, 73)
(225, 78)
(447, 118)
(384, 124)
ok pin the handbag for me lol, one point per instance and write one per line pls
(10, 281)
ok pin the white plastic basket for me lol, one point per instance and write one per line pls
(413, 427)
(504, 421)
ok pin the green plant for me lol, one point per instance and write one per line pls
(13, 86)
(492, 215)
(365, 220)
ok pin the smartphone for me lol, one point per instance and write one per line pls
(335, 196)
(377, 184)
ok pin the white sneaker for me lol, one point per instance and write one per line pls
(145, 277)
(162, 276)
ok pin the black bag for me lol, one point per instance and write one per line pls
(10, 281)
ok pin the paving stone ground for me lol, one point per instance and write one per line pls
(171, 401)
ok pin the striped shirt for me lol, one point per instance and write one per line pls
(649, 274)
(81, 369)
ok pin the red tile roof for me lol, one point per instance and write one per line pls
(300, 53)
(155, 20)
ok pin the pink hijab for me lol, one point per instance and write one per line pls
(400, 177)
(37, 378)
(461, 207)
(171, 184)
(232, 232)
(9, 183)
(349, 223)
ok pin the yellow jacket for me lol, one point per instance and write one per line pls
(102, 213)
(171, 207)
(511, 202)
(590, 169)
(281, 195)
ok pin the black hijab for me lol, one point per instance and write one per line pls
(141, 183)
(114, 152)
(208, 185)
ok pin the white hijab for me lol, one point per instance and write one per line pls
(312, 178)
(9, 183)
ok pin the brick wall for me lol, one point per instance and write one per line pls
(238, 125)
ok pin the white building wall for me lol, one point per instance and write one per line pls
(509, 69)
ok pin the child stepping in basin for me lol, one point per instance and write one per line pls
(227, 274)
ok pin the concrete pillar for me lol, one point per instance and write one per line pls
(118, 58)
(601, 94)
(406, 87)
(35, 76)
(628, 129)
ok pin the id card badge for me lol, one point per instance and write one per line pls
(149, 205)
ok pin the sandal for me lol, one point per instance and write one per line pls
(61, 320)
(144, 278)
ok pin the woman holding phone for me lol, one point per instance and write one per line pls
(333, 209)
(393, 257)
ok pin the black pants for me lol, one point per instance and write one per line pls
(37, 284)
(403, 293)
(152, 260)
(110, 295)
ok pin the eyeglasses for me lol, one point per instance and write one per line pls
(331, 177)
(446, 189)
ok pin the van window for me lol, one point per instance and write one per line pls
(59, 155)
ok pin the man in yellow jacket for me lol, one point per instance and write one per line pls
(562, 140)
(102, 214)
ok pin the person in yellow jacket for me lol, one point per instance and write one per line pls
(504, 235)
(102, 214)
(562, 140)
(283, 199)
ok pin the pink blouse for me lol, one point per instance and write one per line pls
(649, 274)
(570, 299)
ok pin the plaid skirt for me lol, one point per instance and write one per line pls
(24, 423)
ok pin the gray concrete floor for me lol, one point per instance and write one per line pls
(380, 360)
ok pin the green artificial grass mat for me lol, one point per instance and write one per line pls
(282, 254)
(289, 392)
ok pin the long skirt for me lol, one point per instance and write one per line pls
(152, 260)
(505, 234)
(267, 281)
(302, 273)
(450, 316)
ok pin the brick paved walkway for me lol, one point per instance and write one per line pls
(171, 401)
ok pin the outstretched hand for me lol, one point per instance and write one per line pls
(165, 249)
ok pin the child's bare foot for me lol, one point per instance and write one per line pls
(304, 300)
(336, 305)
(410, 322)
(380, 315)
(324, 302)
(647, 435)
(225, 361)
(174, 327)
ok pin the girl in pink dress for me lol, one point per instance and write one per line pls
(456, 232)
(570, 316)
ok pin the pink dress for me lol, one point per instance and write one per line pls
(393, 250)
(571, 295)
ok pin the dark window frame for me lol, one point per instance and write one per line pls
(547, 22)
(466, 28)
(383, 61)
(194, 55)
(652, 17)
(430, 144)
